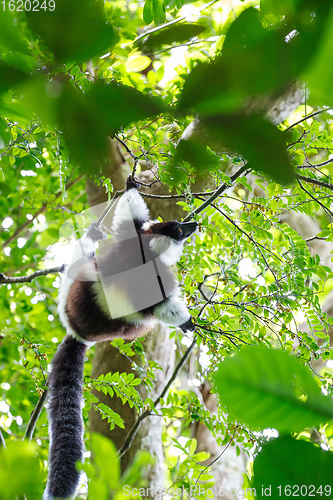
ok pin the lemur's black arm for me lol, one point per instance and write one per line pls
(188, 326)
(131, 183)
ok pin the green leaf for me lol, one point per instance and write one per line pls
(254, 61)
(14, 110)
(320, 73)
(257, 140)
(87, 119)
(82, 25)
(9, 76)
(262, 387)
(283, 7)
(287, 468)
(10, 35)
(112, 417)
(137, 63)
(249, 50)
(177, 33)
(105, 459)
(148, 12)
(20, 473)
(158, 10)
(196, 154)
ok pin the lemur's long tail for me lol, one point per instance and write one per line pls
(65, 415)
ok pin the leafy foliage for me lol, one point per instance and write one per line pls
(286, 465)
(268, 388)
(254, 283)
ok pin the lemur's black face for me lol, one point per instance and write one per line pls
(175, 230)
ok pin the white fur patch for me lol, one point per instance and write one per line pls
(173, 311)
(149, 223)
(77, 337)
(112, 302)
(82, 251)
(168, 250)
(130, 206)
(116, 305)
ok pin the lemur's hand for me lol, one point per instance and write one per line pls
(188, 326)
(131, 183)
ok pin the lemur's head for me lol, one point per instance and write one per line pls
(168, 238)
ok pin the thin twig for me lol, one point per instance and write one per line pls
(218, 456)
(35, 416)
(175, 196)
(2, 441)
(317, 165)
(306, 118)
(244, 169)
(4, 280)
(132, 433)
(170, 23)
(29, 131)
(129, 151)
(315, 181)
(315, 238)
(41, 210)
(108, 208)
(327, 210)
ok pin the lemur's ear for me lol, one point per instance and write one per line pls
(131, 183)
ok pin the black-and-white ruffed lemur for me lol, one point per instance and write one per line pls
(121, 292)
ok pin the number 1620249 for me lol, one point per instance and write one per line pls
(27, 5)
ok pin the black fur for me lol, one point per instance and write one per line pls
(66, 444)
(188, 326)
(131, 183)
(90, 322)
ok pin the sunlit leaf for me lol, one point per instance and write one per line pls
(20, 472)
(262, 387)
(177, 33)
(137, 63)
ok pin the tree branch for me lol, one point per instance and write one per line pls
(35, 416)
(29, 131)
(306, 118)
(326, 209)
(244, 169)
(314, 181)
(132, 433)
(4, 280)
(175, 196)
(170, 23)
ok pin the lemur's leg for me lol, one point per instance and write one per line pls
(130, 207)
